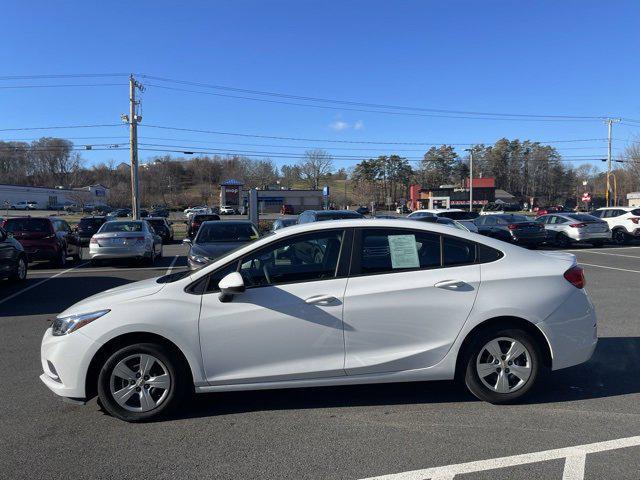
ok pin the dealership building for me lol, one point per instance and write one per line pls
(46, 197)
(233, 194)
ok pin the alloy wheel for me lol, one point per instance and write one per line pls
(22, 269)
(504, 365)
(140, 383)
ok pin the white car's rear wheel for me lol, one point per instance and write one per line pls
(502, 366)
(142, 381)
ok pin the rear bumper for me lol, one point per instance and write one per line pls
(37, 253)
(106, 253)
(586, 236)
(572, 331)
(530, 240)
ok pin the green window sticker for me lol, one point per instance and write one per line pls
(404, 251)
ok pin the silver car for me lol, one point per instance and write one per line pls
(125, 239)
(563, 229)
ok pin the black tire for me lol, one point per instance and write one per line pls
(177, 371)
(61, 259)
(562, 241)
(78, 256)
(472, 380)
(21, 270)
(619, 236)
(96, 263)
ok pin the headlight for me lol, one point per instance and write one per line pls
(200, 259)
(64, 325)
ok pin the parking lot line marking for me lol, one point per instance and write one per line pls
(612, 254)
(610, 268)
(173, 262)
(575, 458)
(40, 283)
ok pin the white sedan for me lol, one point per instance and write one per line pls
(328, 303)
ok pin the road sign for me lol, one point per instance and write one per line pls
(586, 198)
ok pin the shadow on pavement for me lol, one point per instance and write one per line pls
(612, 371)
(56, 294)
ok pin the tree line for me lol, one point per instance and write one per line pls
(523, 168)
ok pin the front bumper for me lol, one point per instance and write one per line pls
(65, 362)
(572, 331)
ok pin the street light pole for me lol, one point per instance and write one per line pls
(610, 122)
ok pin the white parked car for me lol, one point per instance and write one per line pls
(328, 303)
(225, 210)
(624, 222)
(22, 205)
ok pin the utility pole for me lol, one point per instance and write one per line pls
(132, 119)
(470, 178)
(610, 122)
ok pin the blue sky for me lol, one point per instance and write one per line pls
(542, 57)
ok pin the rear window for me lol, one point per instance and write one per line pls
(459, 215)
(121, 227)
(581, 217)
(513, 218)
(205, 218)
(336, 215)
(28, 225)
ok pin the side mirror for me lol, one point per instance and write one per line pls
(232, 284)
(186, 241)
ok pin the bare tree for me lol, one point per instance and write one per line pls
(315, 166)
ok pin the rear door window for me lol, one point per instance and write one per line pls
(28, 225)
(391, 250)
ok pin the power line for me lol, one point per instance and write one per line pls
(63, 85)
(57, 127)
(69, 75)
(367, 142)
(364, 104)
(385, 112)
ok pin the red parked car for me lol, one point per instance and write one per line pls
(196, 221)
(45, 239)
(545, 210)
(286, 210)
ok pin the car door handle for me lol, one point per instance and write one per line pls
(450, 284)
(320, 299)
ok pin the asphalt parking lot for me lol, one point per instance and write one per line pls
(334, 433)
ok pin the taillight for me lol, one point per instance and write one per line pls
(575, 276)
(578, 225)
(194, 225)
(512, 226)
(635, 220)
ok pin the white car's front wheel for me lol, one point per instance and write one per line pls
(142, 381)
(502, 365)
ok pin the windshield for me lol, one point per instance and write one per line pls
(226, 232)
(28, 225)
(121, 227)
(90, 222)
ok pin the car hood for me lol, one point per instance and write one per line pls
(214, 250)
(115, 296)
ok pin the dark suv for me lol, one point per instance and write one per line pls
(13, 259)
(87, 227)
(45, 239)
(321, 215)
